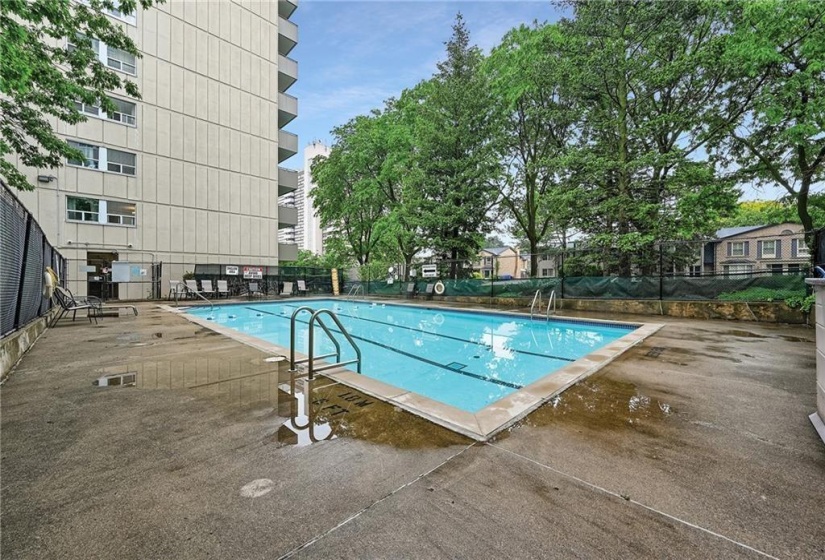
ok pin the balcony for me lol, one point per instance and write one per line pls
(287, 145)
(287, 109)
(286, 7)
(287, 36)
(287, 180)
(287, 72)
(287, 216)
(287, 252)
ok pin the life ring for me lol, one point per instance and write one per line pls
(439, 288)
(49, 282)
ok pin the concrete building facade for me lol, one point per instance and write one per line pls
(189, 173)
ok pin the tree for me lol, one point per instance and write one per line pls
(43, 76)
(649, 78)
(780, 46)
(538, 118)
(771, 212)
(454, 153)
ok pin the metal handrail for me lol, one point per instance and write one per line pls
(292, 361)
(316, 316)
(533, 305)
(551, 301)
(354, 290)
(191, 291)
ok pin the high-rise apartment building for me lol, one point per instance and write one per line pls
(189, 173)
(313, 235)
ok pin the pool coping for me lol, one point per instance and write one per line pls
(480, 425)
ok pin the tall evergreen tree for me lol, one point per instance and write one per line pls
(455, 155)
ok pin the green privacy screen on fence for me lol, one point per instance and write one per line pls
(770, 287)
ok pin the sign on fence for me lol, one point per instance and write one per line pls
(253, 272)
(429, 271)
(231, 270)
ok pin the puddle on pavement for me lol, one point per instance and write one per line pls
(316, 411)
(602, 404)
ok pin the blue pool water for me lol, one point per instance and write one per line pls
(464, 359)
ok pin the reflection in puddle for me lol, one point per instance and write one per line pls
(299, 411)
(602, 404)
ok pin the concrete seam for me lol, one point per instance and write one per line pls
(376, 502)
(634, 502)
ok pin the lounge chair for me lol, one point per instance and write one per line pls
(192, 288)
(206, 288)
(68, 302)
(176, 289)
(287, 290)
(302, 287)
(253, 289)
(411, 290)
(429, 291)
(223, 288)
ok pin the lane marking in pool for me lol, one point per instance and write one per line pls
(407, 354)
(458, 339)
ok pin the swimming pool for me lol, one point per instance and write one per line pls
(468, 361)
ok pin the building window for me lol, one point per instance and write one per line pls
(776, 269)
(485, 273)
(802, 249)
(122, 213)
(768, 249)
(119, 59)
(738, 269)
(737, 249)
(545, 272)
(105, 159)
(695, 270)
(121, 162)
(91, 155)
(93, 110)
(105, 212)
(95, 44)
(128, 18)
(82, 209)
(794, 269)
(488, 261)
(125, 111)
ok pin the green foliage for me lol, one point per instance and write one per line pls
(775, 54)
(330, 259)
(803, 303)
(41, 77)
(536, 117)
(761, 294)
(647, 76)
(458, 165)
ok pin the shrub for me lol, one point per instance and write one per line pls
(761, 294)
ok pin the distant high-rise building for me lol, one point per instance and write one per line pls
(187, 175)
(313, 235)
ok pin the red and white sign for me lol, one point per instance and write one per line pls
(253, 272)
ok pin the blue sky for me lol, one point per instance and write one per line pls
(354, 55)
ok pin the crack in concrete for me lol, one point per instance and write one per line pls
(634, 502)
(370, 506)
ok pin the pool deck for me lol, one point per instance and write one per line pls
(695, 443)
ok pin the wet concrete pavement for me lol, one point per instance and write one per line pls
(695, 444)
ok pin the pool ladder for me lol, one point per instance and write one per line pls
(537, 300)
(354, 290)
(316, 318)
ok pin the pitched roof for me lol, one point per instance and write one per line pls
(497, 250)
(731, 231)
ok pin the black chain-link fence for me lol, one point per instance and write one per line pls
(270, 280)
(24, 255)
